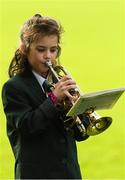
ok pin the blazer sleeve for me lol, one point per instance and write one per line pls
(79, 136)
(20, 114)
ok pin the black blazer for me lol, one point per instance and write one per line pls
(42, 147)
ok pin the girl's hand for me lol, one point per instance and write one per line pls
(61, 89)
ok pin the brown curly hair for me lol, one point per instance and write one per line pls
(30, 32)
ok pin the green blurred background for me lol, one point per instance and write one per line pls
(93, 52)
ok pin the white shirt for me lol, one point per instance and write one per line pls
(39, 78)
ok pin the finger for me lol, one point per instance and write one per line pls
(69, 82)
(72, 86)
(71, 98)
(66, 77)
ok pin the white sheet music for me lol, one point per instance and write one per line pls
(97, 100)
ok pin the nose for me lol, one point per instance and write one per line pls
(47, 54)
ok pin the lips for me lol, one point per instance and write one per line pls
(52, 63)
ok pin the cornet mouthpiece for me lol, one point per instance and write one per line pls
(48, 63)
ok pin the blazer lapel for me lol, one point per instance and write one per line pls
(34, 86)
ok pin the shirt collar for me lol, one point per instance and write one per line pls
(39, 78)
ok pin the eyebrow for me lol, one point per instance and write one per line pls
(39, 46)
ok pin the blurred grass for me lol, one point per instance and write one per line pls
(93, 51)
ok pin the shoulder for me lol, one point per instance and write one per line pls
(18, 81)
(11, 86)
(13, 81)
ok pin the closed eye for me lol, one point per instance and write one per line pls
(52, 50)
(41, 49)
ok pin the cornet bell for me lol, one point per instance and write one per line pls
(97, 124)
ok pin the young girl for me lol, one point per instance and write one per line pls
(42, 146)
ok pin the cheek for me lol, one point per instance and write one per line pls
(54, 62)
(34, 58)
(54, 56)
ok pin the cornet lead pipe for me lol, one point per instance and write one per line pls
(49, 65)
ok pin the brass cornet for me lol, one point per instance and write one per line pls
(97, 124)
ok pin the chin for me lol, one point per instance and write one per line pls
(44, 74)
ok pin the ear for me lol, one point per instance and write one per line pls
(22, 47)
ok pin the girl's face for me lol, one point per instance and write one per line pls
(42, 50)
